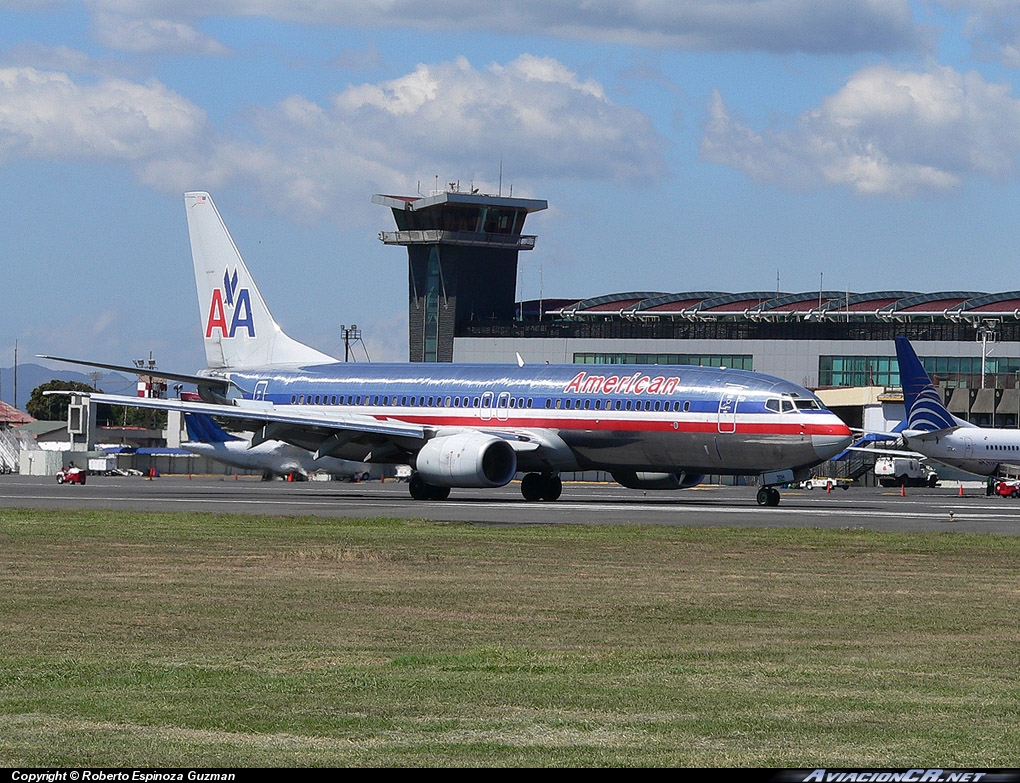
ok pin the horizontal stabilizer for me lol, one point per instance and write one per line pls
(197, 380)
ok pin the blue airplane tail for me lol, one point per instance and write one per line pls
(202, 429)
(925, 411)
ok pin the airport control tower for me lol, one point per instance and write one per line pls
(462, 261)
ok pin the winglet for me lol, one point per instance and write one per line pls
(925, 411)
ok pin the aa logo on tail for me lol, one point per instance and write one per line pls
(233, 300)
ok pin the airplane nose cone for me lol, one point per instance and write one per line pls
(830, 444)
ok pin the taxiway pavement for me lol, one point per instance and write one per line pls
(938, 509)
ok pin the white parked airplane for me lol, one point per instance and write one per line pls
(273, 458)
(933, 431)
(650, 427)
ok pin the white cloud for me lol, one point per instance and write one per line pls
(311, 158)
(886, 132)
(993, 27)
(58, 58)
(45, 114)
(761, 25)
(142, 35)
(450, 117)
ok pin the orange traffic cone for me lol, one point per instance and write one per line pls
(903, 490)
(961, 489)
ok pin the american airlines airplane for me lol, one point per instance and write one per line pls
(931, 430)
(650, 427)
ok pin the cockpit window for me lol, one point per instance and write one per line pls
(807, 405)
(787, 406)
(772, 405)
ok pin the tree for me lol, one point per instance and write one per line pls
(53, 407)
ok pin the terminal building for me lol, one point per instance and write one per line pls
(462, 272)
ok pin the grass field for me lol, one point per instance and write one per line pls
(133, 639)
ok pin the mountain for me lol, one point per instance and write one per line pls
(32, 375)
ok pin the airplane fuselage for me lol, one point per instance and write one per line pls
(976, 450)
(611, 417)
(275, 458)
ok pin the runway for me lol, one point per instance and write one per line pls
(939, 509)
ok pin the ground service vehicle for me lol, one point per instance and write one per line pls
(827, 483)
(71, 475)
(904, 472)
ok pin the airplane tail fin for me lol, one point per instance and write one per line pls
(202, 428)
(239, 330)
(925, 411)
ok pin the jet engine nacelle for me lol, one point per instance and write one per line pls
(467, 459)
(678, 479)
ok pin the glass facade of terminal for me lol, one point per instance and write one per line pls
(962, 371)
(730, 361)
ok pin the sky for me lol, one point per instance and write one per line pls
(682, 145)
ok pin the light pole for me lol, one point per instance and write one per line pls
(349, 333)
(986, 330)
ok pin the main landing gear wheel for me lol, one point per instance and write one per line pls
(768, 496)
(541, 486)
(422, 490)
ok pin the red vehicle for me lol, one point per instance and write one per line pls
(72, 475)
(1008, 488)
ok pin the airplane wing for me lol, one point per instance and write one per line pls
(388, 440)
(888, 452)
